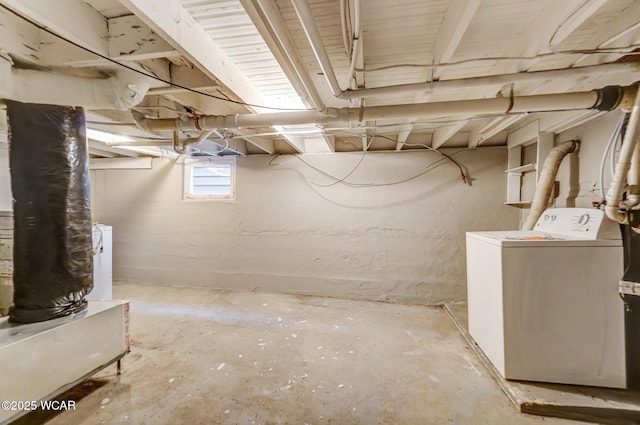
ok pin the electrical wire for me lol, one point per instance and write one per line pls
(430, 167)
(353, 170)
(612, 50)
(130, 68)
(464, 174)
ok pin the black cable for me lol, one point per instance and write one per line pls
(427, 169)
(130, 68)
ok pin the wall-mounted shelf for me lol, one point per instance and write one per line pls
(516, 142)
(522, 169)
(523, 204)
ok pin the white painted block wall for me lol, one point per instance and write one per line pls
(6, 198)
(593, 137)
(402, 242)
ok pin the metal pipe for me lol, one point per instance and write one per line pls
(313, 35)
(614, 194)
(546, 182)
(605, 99)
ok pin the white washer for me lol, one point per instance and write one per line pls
(544, 304)
(102, 263)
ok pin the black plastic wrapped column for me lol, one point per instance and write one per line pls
(53, 261)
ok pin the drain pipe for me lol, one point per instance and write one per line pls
(614, 194)
(605, 99)
(313, 35)
(28, 86)
(546, 181)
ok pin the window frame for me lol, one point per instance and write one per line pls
(189, 165)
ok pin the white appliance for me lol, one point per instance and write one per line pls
(42, 360)
(544, 304)
(102, 263)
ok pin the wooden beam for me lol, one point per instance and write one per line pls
(267, 145)
(442, 134)
(496, 125)
(455, 23)
(102, 153)
(120, 163)
(101, 147)
(174, 23)
(577, 18)
(542, 28)
(403, 134)
(524, 136)
(18, 38)
(72, 19)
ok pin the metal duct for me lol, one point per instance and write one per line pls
(121, 92)
(53, 263)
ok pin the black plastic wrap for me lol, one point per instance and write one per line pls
(631, 244)
(53, 262)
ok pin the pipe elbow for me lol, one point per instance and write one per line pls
(614, 213)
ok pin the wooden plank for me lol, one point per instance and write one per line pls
(526, 135)
(454, 25)
(143, 163)
(72, 19)
(174, 23)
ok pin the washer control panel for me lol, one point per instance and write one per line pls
(586, 223)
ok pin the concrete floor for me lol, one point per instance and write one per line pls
(201, 356)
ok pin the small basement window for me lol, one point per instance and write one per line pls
(210, 179)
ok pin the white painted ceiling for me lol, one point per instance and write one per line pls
(236, 49)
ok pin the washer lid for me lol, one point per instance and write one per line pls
(531, 239)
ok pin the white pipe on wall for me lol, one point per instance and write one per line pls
(614, 194)
(546, 182)
(120, 92)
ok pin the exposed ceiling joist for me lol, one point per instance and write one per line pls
(577, 18)
(266, 145)
(176, 26)
(19, 38)
(105, 150)
(495, 126)
(442, 134)
(73, 19)
(454, 25)
(128, 40)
